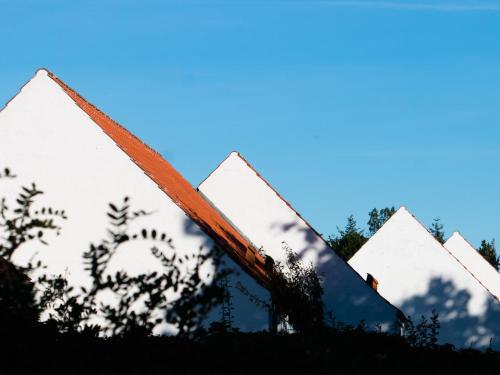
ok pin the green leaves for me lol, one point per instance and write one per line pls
(488, 251)
(437, 230)
(349, 240)
(377, 218)
(297, 294)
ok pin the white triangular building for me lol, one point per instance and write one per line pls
(83, 160)
(479, 267)
(418, 275)
(268, 221)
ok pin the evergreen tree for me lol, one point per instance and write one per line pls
(377, 218)
(437, 230)
(349, 240)
(488, 251)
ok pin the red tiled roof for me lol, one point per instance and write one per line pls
(177, 188)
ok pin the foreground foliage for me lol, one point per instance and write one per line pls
(180, 295)
(70, 342)
(352, 351)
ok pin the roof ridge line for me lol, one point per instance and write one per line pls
(439, 243)
(208, 219)
(61, 83)
(479, 255)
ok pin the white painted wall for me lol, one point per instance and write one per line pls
(474, 262)
(258, 212)
(417, 274)
(46, 138)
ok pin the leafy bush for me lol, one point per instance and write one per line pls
(182, 294)
(425, 334)
(296, 295)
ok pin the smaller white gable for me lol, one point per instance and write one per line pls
(418, 275)
(484, 272)
(267, 220)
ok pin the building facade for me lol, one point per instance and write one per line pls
(237, 190)
(83, 160)
(418, 275)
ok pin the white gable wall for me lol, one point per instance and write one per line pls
(417, 274)
(266, 220)
(47, 139)
(474, 262)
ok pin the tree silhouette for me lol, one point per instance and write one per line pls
(437, 231)
(349, 240)
(377, 218)
(488, 251)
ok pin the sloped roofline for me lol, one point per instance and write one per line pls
(400, 313)
(175, 186)
(477, 255)
(449, 252)
(269, 185)
(434, 239)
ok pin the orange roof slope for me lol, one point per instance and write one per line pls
(177, 188)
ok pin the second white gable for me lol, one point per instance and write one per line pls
(267, 220)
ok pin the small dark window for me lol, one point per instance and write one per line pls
(370, 280)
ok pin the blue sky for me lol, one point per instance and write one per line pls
(342, 105)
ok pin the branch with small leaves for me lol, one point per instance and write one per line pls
(143, 302)
(24, 223)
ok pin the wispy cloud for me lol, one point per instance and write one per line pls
(442, 7)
